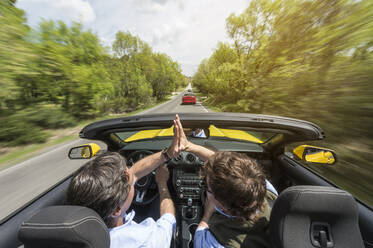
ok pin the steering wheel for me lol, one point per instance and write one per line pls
(146, 189)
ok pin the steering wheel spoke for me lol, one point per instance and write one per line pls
(140, 195)
(145, 188)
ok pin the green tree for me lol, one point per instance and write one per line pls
(15, 51)
(143, 76)
(69, 69)
(305, 59)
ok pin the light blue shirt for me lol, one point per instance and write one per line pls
(203, 237)
(201, 134)
(148, 233)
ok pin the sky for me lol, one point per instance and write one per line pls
(186, 30)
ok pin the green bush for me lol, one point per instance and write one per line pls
(119, 105)
(26, 126)
(46, 117)
(13, 132)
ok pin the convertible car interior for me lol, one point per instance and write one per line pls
(309, 212)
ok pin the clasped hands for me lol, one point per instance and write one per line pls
(179, 143)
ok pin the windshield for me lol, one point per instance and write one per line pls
(211, 133)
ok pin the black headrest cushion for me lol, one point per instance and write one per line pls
(298, 207)
(65, 226)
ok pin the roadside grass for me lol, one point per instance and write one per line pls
(10, 156)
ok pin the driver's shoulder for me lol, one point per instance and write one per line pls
(167, 217)
(165, 220)
(146, 232)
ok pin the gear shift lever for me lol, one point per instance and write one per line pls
(190, 202)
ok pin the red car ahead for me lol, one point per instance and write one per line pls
(189, 99)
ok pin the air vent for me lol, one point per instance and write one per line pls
(178, 158)
(190, 157)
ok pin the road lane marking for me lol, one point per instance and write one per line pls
(204, 108)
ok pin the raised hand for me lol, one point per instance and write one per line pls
(174, 148)
(183, 142)
(179, 142)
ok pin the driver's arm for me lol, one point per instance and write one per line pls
(166, 203)
(167, 221)
(146, 165)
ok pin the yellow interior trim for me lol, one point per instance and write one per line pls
(233, 134)
(148, 134)
(167, 132)
(145, 134)
(214, 132)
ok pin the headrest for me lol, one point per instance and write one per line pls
(65, 226)
(315, 216)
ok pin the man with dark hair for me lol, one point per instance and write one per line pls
(236, 209)
(106, 185)
(236, 182)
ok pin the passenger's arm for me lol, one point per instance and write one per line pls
(184, 144)
(201, 151)
(203, 238)
(209, 210)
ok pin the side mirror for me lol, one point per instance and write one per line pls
(86, 151)
(315, 154)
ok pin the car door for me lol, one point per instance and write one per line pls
(295, 172)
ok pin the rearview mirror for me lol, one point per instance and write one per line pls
(315, 154)
(86, 151)
(202, 133)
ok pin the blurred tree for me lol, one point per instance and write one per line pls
(65, 67)
(15, 51)
(280, 60)
(308, 59)
(68, 70)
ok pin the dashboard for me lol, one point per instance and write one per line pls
(189, 195)
(186, 177)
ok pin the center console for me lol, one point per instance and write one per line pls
(190, 195)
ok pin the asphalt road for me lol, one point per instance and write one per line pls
(25, 181)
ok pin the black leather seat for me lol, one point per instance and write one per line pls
(315, 216)
(65, 226)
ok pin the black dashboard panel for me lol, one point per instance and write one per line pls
(217, 144)
(221, 144)
(186, 178)
(188, 194)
